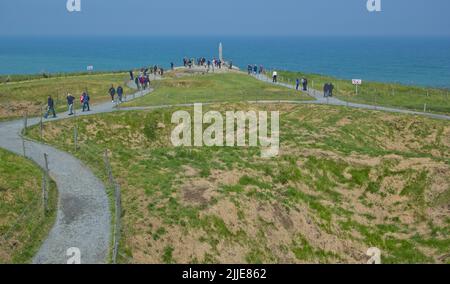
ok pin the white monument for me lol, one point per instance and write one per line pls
(221, 52)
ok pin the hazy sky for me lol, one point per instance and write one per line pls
(224, 17)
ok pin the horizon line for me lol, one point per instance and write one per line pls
(226, 35)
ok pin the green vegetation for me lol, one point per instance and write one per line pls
(28, 77)
(167, 255)
(23, 223)
(16, 98)
(383, 94)
(180, 88)
(345, 180)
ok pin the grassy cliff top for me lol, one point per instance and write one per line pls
(345, 180)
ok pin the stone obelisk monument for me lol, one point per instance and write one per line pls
(220, 52)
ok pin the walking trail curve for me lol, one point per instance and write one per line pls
(333, 101)
(83, 217)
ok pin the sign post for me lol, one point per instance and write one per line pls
(357, 82)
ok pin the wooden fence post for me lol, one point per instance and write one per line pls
(25, 123)
(75, 137)
(45, 183)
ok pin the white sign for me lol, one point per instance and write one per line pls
(357, 82)
(90, 68)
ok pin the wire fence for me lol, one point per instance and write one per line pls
(34, 215)
(391, 95)
(87, 152)
(91, 153)
(117, 206)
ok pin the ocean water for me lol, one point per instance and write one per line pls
(416, 61)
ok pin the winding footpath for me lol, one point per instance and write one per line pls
(83, 216)
(337, 102)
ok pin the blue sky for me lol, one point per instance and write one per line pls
(224, 17)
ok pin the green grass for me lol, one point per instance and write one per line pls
(336, 170)
(167, 255)
(303, 251)
(231, 87)
(28, 77)
(16, 98)
(23, 223)
(339, 169)
(376, 93)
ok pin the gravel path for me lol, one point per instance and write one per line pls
(334, 101)
(83, 218)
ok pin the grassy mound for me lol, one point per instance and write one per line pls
(345, 180)
(181, 87)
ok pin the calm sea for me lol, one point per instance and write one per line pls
(419, 61)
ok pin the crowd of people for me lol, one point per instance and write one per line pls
(299, 82)
(203, 62)
(84, 101)
(254, 69)
(142, 81)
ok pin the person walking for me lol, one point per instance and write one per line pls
(172, 66)
(86, 99)
(275, 77)
(70, 102)
(325, 90)
(50, 107)
(297, 83)
(131, 75)
(136, 81)
(120, 93)
(305, 84)
(112, 92)
(142, 82)
(330, 89)
(147, 81)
